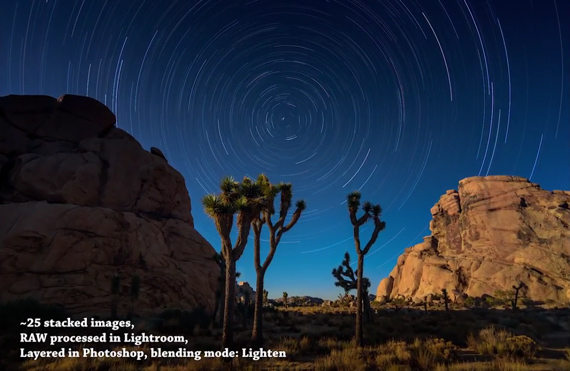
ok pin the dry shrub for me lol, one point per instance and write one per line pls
(521, 347)
(391, 355)
(217, 364)
(329, 344)
(305, 344)
(503, 364)
(490, 341)
(291, 346)
(348, 359)
(398, 349)
(503, 344)
(431, 353)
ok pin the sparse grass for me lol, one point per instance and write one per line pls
(348, 359)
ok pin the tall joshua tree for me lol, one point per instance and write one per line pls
(241, 198)
(370, 212)
(346, 278)
(276, 231)
(219, 307)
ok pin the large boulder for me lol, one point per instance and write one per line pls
(492, 234)
(81, 201)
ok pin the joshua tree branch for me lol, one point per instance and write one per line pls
(363, 219)
(244, 223)
(353, 219)
(378, 227)
(356, 231)
(257, 225)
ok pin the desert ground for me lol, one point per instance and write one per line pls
(488, 336)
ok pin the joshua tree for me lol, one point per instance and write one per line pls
(285, 296)
(241, 198)
(370, 212)
(115, 290)
(219, 308)
(347, 279)
(516, 297)
(445, 298)
(221, 288)
(265, 297)
(276, 231)
(135, 291)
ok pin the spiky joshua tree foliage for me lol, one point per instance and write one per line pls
(371, 212)
(235, 198)
(264, 216)
(346, 278)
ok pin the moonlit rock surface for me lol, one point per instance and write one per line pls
(81, 200)
(493, 233)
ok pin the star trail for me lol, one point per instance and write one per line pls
(399, 99)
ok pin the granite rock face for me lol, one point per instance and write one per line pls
(82, 201)
(491, 234)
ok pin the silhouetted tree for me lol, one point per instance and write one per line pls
(115, 290)
(276, 231)
(241, 198)
(347, 279)
(285, 296)
(516, 296)
(265, 297)
(220, 292)
(445, 298)
(135, 291)
(370, 212)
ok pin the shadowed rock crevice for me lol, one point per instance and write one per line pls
(82, 200)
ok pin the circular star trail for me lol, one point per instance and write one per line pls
(397, 99)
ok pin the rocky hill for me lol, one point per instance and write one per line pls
(495, 232)
(82, 201)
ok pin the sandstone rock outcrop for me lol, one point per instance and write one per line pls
(81, 201)
(491, 234)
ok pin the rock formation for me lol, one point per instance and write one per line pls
(81, 201)
(244, 292)
(493, 233)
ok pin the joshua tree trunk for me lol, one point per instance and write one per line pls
(516, 298)
(366, 308)
(222, 308)
(229, 300)
(359, 289)
(257, 333)
(216, 308)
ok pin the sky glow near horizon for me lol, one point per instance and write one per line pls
(397, 99)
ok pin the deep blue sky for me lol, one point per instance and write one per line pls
(398, 99)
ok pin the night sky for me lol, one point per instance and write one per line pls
(399, 99)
